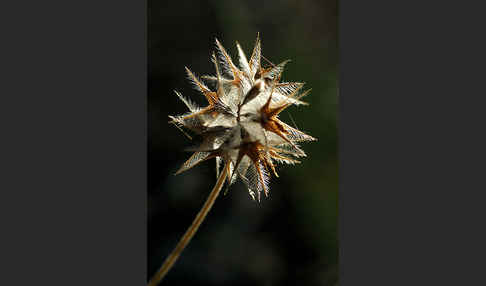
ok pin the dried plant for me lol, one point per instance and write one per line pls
(240, 128)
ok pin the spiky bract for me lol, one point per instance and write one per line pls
(240, 125)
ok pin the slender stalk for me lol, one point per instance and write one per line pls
(186, 238)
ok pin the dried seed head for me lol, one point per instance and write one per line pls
(240, 125)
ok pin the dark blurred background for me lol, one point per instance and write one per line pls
(289, 238)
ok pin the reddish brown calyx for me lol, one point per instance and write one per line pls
(257, 154)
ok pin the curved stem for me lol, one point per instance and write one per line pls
(186, 238)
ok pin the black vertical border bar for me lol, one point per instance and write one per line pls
(412, 143)
(74, 141)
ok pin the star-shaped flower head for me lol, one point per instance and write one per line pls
(240, 126)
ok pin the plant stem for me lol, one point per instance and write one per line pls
(186, 238)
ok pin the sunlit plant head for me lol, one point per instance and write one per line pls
(240, 126)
